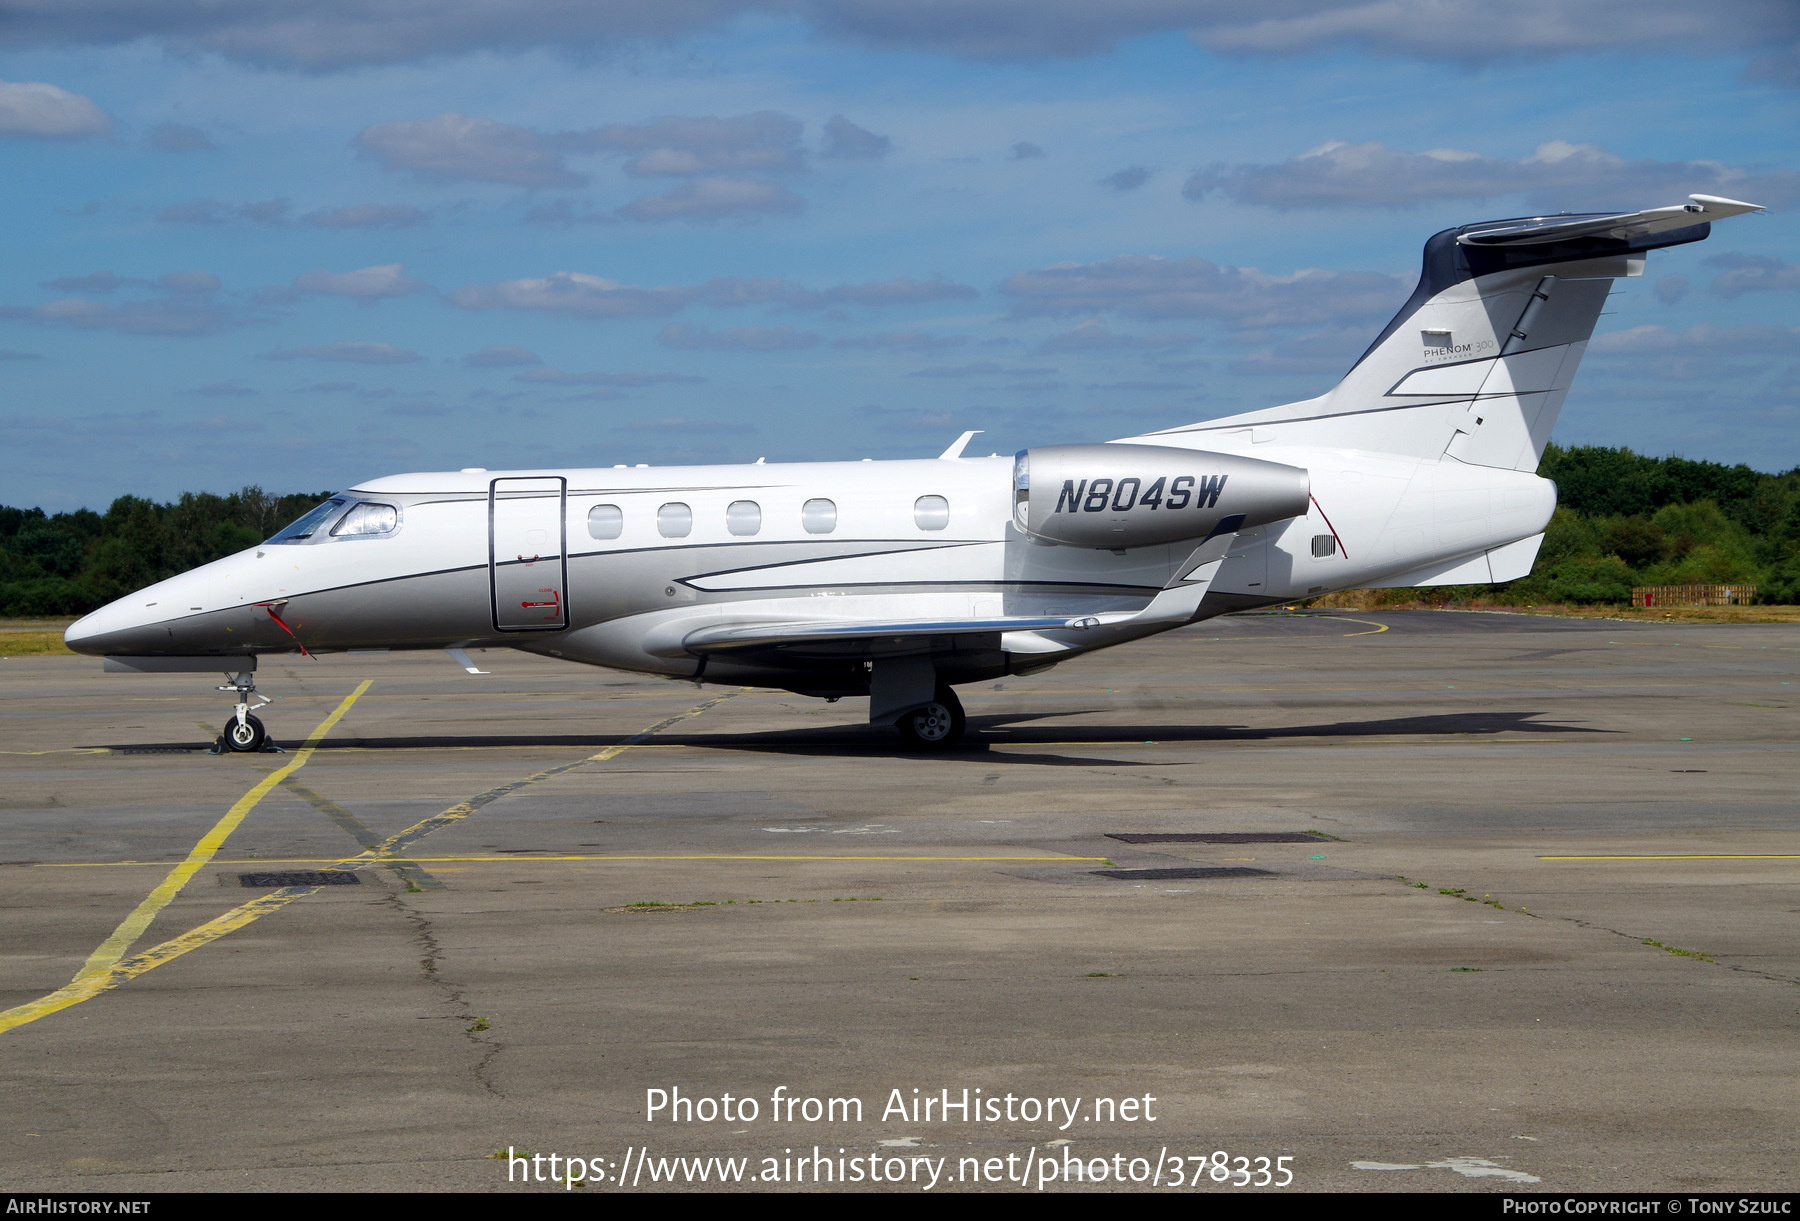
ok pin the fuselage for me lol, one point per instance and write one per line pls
(615, 566)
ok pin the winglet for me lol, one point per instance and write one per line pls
(956, 446)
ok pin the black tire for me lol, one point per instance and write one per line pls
(938, 725)
(244, 738)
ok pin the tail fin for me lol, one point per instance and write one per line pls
(1476, 364)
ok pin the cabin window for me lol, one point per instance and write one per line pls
(819, 516)
(743, 517)
(606, 521)
(309, 522)
(367, 520)
(931, 512)
(674, 520)
(1324, 545)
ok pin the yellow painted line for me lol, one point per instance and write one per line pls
(95, 974)
(103, 971)
(1766, 856)
(463, 809)
(1379, 627)
(134, 966)
(513, 860)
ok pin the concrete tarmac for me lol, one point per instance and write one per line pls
(1544, 936)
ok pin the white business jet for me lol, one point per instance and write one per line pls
(899, 580)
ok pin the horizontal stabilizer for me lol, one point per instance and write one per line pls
(1619, 226)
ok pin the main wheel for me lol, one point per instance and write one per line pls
(246, 735)
(937, 726)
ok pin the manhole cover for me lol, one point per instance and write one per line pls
(301, 877)
(1219, 837)
(1197, 871)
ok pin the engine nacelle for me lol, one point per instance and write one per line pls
(1136, 495)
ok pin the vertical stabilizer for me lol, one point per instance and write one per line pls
(1476, 364)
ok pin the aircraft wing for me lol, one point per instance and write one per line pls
(726, 637)
(1619, 225)
(1172, 606)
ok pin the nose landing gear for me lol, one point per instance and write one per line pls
(244, 733)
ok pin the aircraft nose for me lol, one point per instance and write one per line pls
(136, 623)
(82, 632)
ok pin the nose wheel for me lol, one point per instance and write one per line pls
(938, 725)
(244, 733)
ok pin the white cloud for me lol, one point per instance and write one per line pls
(365, 216)
(455, 146)
(1151, 287)
(979, 368)
(1324, 352)
(356, 353)
(364, 284)
(185, 308)
(574, 293)
(845, 140)
(1559, 175)
(324, 35)
(879, 293)
(1094, 336)
(741, 338)
(42, 111)
(630, 379)
(1750, 273)
(705, 199)
(902, 341)
(765, 142)
(1753, 338)
(582, 295)
(213, 212)
(1128, 179)
(509, 356)
(96, 282)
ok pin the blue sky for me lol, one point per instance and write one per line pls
(305, 244)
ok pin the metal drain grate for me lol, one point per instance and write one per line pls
(1198, 871)
(1220, 837)
(157, 750)
(301, 877)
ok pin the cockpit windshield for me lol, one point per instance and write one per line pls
(311, 522)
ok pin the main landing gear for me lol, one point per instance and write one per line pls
(938, 725)
(244, 733)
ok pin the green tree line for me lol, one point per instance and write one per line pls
(71, 563)
(1622, 519)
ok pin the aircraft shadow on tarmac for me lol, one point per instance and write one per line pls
(1013, 729)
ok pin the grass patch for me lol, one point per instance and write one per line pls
(480, 1025)
(1669, 949)
(34, 643)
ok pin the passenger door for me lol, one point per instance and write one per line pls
(527, 554)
